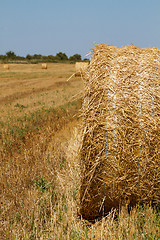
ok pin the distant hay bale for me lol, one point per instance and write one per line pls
(44, 65)
(120, 153)
(80, 67)
(6, 66)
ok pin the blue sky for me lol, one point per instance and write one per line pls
(73, 26)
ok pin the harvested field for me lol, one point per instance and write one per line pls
(26, 88)
(40, 172)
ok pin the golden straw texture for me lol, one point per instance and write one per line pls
(44, 65)
(120, 153)
(80, 67)
(6, 66)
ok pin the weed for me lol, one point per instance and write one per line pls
(75, 191)
(75, 235)
(18, 132)
(20, 106)
(41, 184)
(18, 217)
(2, 123)
(62, 162)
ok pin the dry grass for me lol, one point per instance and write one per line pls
(40, 171)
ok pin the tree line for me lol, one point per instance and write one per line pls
(10, 56)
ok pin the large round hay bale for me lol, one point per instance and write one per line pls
(80, 68)
(6, 66)
(120, 153)
(44, 65)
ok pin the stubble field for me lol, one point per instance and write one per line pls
(39, 166)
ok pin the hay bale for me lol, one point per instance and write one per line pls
(80, 68)
(44, 65)
(6, 66)
(120, 157)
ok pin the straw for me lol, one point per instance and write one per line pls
(120, 159)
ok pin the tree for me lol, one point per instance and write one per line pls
(11, 55)
(61, 56)
(51, 58)
(75, 57)
(37, 56)
(86, 60)
(2, 57)
(29, 57)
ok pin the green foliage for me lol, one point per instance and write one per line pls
(36, 58)
(75, 234)
(75, 57)
(50, 58)
(61, 56)
(20, 106)
(3, 57)
(11, 55)
(29, 57)
(86, 60)
(42, 184)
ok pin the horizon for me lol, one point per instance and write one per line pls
(36, 54)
